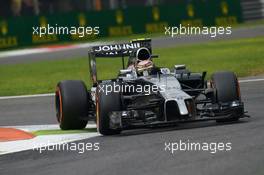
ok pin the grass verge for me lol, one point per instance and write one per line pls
(57, 131)
(244, 56)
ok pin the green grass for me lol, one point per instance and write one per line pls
(244, 56)
(56, 131)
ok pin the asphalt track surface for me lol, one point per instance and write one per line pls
(142, 151)
(237, 33)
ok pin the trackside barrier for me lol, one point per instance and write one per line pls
(18, 32)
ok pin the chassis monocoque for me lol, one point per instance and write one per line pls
(165, 97)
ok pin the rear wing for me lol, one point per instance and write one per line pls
(114, 50)
(121, 49)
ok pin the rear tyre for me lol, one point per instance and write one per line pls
(71, 101)
(227, 90)
(105, 104)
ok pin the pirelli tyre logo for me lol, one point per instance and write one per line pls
(6, 40)
(43, 22)
(45, 38)
(156, 14)
(4, 27)
(226, 18)
(224, 8)
(119, 17)
(190, 10)
(82, 20)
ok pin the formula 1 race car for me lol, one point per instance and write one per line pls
(144, 95)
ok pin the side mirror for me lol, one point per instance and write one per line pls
(180, 67)
(165, 70)
(154, 56)
(125, 71)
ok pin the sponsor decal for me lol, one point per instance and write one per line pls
(116, 48)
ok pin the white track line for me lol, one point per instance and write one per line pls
(21, 52)
(42, 140)
(52, 94)
(32, 128)
(27, 96)
(251, 80)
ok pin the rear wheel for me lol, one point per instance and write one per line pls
(227, 90)
(105, 104)
(71, 101)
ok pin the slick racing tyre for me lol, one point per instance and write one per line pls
(105, 104)
(71, 100)
(227, 90)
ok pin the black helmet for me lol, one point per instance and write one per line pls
(143, 54)
(139, 55)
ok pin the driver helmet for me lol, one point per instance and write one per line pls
(143, 60)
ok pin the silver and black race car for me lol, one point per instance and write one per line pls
(144, 95)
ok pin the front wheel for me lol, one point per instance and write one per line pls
(227, 90)
(71, 100)
(105, 104)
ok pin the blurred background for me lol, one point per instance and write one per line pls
(32, 64)
(253, 8)
(115, 17)
(36, 7)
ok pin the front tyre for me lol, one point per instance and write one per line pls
(71, 100)
(227, 90)
(105, 104)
